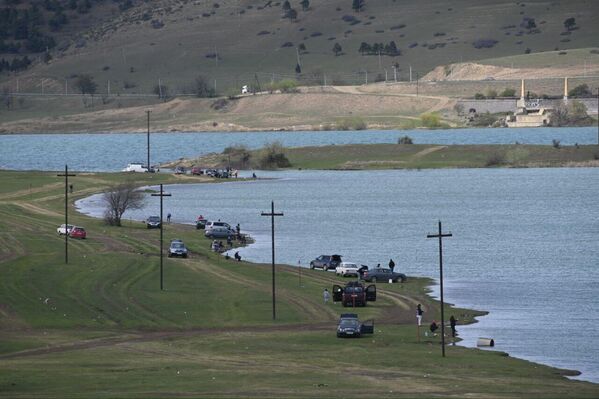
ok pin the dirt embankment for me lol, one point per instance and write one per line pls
(306, 110)
(474, 71)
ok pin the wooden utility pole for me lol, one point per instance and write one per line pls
(162, 194)
(272, 215)
(440, 236)
(66, 211)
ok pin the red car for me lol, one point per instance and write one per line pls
(77, 232)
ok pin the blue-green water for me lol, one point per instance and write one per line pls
(112, 152)
(525, 243)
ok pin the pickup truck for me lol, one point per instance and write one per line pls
(354, 294)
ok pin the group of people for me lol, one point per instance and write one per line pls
(434, 326)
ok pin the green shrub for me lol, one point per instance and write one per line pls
(580, 91)
(405, 140)
(273, 156)
(491, 94)
(508, 93)
(237, 156)
(484, 120)
(430, 120)
(479, 96)
(351, 123)
(285, 86)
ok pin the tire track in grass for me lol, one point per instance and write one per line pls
(313, 310)
(128, 287)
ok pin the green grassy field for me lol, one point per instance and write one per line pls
(101, 327)
(422, 156)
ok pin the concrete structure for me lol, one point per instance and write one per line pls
(529, 113)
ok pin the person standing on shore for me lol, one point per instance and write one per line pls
(391, 265)
(419, 313)
(452, 323)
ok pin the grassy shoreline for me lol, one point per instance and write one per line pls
(210, 333)
(412, 156)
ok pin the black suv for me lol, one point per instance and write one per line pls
(326, 262)
(354, 294)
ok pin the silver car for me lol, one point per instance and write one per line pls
(177, 248)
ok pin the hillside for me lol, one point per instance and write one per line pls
(235, 42)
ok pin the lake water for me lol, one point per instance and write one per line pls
(112, 152)
(525, 243)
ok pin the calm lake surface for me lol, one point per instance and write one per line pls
(112, 152)
(525, 243)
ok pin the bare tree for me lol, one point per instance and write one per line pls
(119, 199)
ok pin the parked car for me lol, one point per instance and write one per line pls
(197, 171)
(78, 232)
(347, 269)
(326, 262)
(219, 232)
(180, 170)
(382, 274)
(62, 230)
(350, 326)
(153, 222)
(354, 294)
(177, 248)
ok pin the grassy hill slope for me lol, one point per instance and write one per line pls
(100, 326)
(239, 40)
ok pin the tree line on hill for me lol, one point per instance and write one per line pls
(28, 27)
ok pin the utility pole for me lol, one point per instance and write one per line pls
(272, 215)
(108, 87)
(395, 73)
(385, 75)
(366, 76)
(66, 87)
(440, 236)
(161, 195)
(148, 140)
(298, 57)
(66, 211)
(410, 73)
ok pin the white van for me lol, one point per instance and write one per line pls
(135, 167)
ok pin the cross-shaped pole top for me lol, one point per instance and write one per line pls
(272, 215)
(272, 211)
(440, 234)
(161, 193)
(66, 172)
